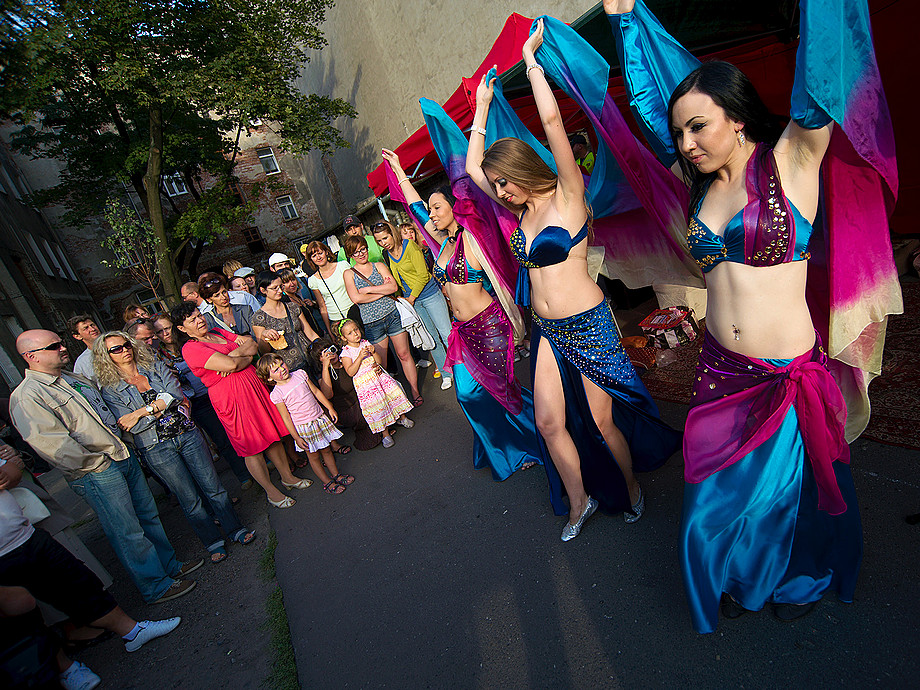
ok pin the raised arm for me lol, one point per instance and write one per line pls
(477, 147)
(571, 182)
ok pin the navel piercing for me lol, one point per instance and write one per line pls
(736, 331)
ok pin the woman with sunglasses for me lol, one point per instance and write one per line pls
(278, 326)
(223, 361)
(337, 386)
(237, 318)
(371, 286)
(145, 396)
(407, 264)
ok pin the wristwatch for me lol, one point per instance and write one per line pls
(150, 409)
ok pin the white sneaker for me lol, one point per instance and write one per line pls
(423, 364)
(446, 383)
(406, 422)
(78, 677)
(151, 630)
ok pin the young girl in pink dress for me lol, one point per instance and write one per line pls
(300, 405)
(382, 400)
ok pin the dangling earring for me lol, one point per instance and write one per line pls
(741, 138)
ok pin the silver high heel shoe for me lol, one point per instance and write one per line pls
(637, 509)
(571, 531)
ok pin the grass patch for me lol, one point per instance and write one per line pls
(267, 561)
(284, 667)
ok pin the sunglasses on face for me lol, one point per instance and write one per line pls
(53, 346)
(117, 349)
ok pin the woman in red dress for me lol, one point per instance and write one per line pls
(223, 362)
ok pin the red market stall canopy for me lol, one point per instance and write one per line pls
(760, 39)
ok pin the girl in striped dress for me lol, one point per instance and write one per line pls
(382, 399)
(300, 404)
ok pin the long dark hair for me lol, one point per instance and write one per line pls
(731, 90)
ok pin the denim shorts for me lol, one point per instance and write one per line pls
(388, 326)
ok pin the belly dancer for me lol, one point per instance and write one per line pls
(594, 415)
(482, 338)
(770, 512)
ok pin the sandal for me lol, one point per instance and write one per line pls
(343, 450)
(244, 537)
(218, 555)
(343, 479)
(285, 502)
(333, 487)
(418, 401)
(300, 484)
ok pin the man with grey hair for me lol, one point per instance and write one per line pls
(63, 417)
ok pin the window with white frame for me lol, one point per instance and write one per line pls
(288, 210)
(38, 255)
(267, 159)
(65, 262)
(50, 253)
(174, 185)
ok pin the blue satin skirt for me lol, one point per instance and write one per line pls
(501, 441)
(588, 344)
(754, 530)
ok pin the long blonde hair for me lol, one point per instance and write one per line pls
(106, 371)
(517, 162)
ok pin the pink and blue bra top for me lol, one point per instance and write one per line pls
(459, 271)
(551, 245)
(767, 232)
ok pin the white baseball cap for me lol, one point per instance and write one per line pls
(278, 258)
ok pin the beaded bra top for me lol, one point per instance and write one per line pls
(768, 231)
(458, 270)
(551, 245)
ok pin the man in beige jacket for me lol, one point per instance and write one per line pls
(63, 417)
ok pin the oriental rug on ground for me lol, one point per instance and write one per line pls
(895, 395)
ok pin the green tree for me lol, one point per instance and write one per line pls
(123, 90)
(137, 249)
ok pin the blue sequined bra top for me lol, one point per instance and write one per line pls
(458, 270)
(551, 245)
(709, 249)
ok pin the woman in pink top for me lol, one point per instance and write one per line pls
(299, 404)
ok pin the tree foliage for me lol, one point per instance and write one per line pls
(137, 249)
(123, 91)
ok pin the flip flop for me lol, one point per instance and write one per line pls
(343, 450)
(244, 537)
(418, 401)
(218, 555)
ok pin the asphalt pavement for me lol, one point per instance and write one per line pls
(426, 573)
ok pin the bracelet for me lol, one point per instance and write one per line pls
(481, 130)
(402, 179)
(535, 65)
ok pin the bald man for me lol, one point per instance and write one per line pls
(63, 417)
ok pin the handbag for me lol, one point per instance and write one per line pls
(297, 336)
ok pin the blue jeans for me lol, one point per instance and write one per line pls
(128, 515)
(182, 462)
(433, 313)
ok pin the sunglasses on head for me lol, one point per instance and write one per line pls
(53, 346)
(116, 349)
(381, 224)
(212, 283)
